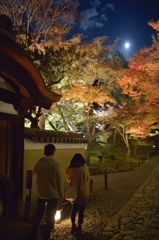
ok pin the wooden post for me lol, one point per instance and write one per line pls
(91, 187)
(105, 181)
(18, 163)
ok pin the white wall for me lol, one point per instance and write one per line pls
(5, 107)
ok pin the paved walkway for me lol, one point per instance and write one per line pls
(139, 218)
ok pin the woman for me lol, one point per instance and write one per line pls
(78, 164)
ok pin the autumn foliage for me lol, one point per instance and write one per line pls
(87, 93)
(87, 73)
(140, 81)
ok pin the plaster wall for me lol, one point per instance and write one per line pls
(5, 107)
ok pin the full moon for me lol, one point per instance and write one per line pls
(127, 45)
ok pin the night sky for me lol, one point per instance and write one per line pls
(126, 19)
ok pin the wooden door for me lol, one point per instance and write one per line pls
(6, 146)
(6, 155)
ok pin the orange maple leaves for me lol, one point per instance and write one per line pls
(141, 80)
(87, 93)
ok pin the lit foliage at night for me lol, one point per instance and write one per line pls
(140, 81)
(90, 75)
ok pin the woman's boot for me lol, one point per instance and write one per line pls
(73, 229)
(79, 229)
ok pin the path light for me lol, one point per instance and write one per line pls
(58, 213)
(58, 216)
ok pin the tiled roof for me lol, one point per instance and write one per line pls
(49, 136)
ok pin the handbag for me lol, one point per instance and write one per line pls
(72, 191)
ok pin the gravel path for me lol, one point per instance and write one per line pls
(105, 204)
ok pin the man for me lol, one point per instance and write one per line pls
(100, 157)
(49, 189)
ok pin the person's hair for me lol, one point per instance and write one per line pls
(77, 160)
(49, 149)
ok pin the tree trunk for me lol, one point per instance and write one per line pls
(114, 136)
(136, 144)
(128, 151)
(88, 151)
(89, 138)
(127, 145)
(42, 120)
(126, 141)
(157, 143)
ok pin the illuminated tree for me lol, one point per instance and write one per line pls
(92, 85)
(69, 65)
(85, 95)
(117, 58)
(130, 125)
(40, 18)
(65, 115)
(40, 27)
(140, 81)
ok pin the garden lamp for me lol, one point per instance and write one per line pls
(58, 213)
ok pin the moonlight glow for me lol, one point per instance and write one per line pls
(127, 45)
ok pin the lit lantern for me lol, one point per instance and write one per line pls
(58, 216)
(58, 213)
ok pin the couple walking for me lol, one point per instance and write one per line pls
(50, 191)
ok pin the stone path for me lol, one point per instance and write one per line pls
(139, 218)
